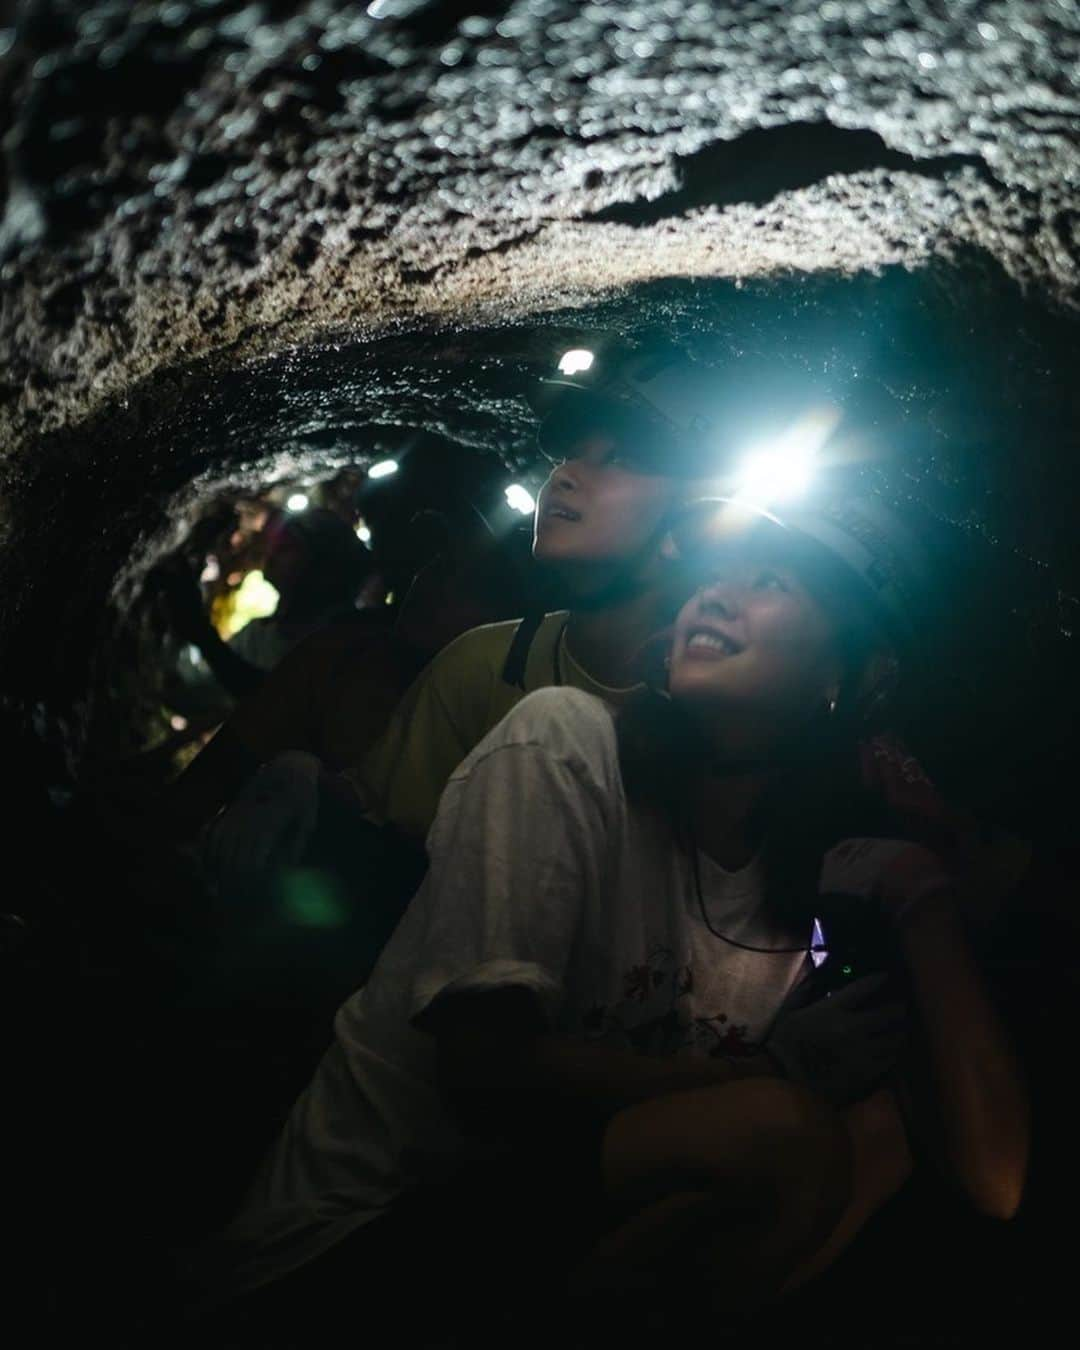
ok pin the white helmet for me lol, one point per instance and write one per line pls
(879, 556)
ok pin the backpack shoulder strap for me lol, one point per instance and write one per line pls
(513, 671)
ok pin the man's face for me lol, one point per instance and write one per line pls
(597, 509)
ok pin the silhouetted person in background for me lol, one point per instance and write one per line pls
(334, 693)
(317, 565)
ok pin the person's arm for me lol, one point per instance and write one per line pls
(234, 673)
(496, 1062)
(191, 623)
(840, 1048)
(271, 720)
(980, 1085)
(978, 1082)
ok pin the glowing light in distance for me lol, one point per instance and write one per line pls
(297, 502)
(383, 469)
(177, 722)
(255, 598)
(521, 499)
(573, 362)
(783, 469)
(211, 569)
(363, 534)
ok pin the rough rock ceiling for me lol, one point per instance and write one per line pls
(184, 177)
(236, 236)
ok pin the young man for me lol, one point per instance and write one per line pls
(630, 445)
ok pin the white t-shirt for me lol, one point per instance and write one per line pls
(542, 877)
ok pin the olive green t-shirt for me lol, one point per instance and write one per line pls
(450, 707)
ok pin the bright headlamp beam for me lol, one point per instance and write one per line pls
(780, 470)
(521, 499)
(297, 502)
(576, 361)
(773, 476)
(383, 469)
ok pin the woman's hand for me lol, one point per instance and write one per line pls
(899, 875)
(844, 1045)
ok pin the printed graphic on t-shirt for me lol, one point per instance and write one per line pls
(655, 1014)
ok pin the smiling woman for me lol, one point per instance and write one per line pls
(784, 644)
(733, 651)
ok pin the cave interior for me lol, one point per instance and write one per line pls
(248, 250)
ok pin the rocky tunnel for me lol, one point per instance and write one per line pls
(238, 238)
(246, 245)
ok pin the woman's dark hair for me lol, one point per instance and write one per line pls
(817, 799)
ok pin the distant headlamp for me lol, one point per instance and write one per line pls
(576, 361)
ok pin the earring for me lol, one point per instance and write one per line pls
(832, 705)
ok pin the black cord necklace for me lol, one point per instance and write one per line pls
(733, 942)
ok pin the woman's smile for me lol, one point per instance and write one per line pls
(710, 643)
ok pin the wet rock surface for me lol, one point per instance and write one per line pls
(184, 177)
(238, 237)
(243, 242)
